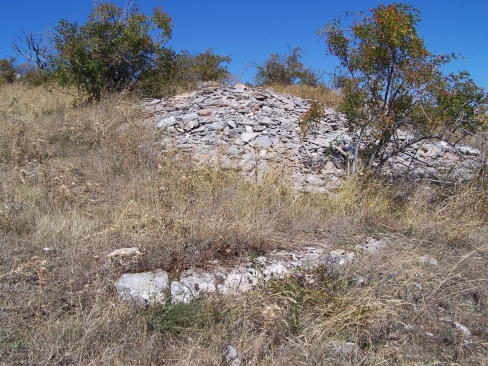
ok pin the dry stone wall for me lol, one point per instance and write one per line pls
(258, 132)
(222, 279)
(253, 131)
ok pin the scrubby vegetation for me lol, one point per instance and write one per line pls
(7, 71)
(286, 70)
(390, 81)
(112, 50)
(79, 180)
(117, 50)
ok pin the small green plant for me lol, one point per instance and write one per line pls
(17, 345)
(181, 317)
(310, 120)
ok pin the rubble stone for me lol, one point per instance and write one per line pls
(144, 288)
(260, 119)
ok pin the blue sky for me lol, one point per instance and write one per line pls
(250, 30)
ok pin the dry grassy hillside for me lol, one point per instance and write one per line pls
(79, 182)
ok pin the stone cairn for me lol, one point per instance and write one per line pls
(258, 132)
(255, 132)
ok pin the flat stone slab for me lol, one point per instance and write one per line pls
(144, 288)
(248, 136)
(263, 142)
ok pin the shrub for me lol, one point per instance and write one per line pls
(112, 50)
(205, 66)
(7, 70)
(390, 81)
(286, 70)
(33, 75)
(174, 72)
(310, 120)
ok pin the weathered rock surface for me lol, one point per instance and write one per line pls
(258, 132)
(372, 245)
(144, 288)
(227, 280)
(232, 356)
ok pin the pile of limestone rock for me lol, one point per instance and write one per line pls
(258, 132)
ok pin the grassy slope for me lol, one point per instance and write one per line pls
(85, 181)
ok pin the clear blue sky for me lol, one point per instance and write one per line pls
(250, 30)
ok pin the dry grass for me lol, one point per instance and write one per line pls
(331, 98)
(77, 183)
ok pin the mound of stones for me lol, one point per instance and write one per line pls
(252, 131)
(257, 132)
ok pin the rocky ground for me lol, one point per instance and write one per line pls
(378, 272)
(227, 279)
(258, 131)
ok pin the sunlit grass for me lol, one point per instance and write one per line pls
(79, 182)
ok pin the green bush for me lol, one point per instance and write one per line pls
(112, 50)
(33, 75)
(286, 70)
(7, 70)
(205, 66)
(174, 72)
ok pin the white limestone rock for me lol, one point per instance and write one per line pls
(198, 281)
(166, 122)
(180, 293)
(372, 246)
(143, 288)
(238, 280)
(232, 356)
(341, 257)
